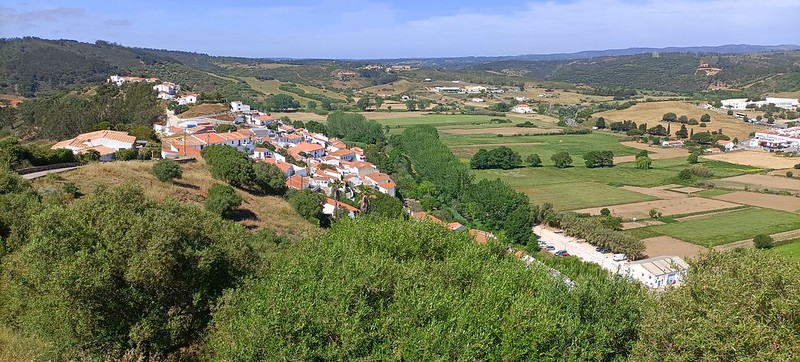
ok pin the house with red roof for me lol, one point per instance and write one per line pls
(261, 120)
(298, 182)
(343, 154)
(522, 108)
(331, 205)
(306, 149)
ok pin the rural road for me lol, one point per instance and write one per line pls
(581, 249)
(34, 175)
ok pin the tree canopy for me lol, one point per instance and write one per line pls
(501, 157)
(354, 127)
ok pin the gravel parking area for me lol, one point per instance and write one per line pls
(581, 249)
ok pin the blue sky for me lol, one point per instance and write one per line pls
(411, 28)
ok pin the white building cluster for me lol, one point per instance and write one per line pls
(743, 103)
(777, 139)
(166, 90)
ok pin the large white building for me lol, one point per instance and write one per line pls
(777, 139)
(105, 142)
(657, 272)
(238, 106)
(742, 103)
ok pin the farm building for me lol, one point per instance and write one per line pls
(777, 139)
(522, 108)
(657, 272)
(676, 144)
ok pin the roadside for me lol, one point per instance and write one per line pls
(579, 248)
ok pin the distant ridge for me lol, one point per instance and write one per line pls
(472, 60)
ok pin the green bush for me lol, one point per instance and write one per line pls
(561, 159)
(533, 160)
(222, 200)
(126, 154)
(762, 241)
(789, 174)
(166, 170)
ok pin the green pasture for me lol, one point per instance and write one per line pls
(725, 228)
(579, 195)
(789, 250)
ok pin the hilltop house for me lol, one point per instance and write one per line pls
(522, 108)
(657, 272)
(186, 99)
(104, 142)
(238, 106)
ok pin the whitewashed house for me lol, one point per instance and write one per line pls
(187, 99)
(105, 142)
(522, 108)
(238, 106)
(657, 272)
(166, 87)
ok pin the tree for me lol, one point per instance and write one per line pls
(383, 205)
(683, 119)
(378, 102)
(643, 162)
(703, 137)
(502, 157)
(354, 127)
(561, 159)
(789, 174)
(229, 165)
(225, 127)
(411, 105)
(312, 106)
(693, 158)
(126, 154)
(600, 123)
(363, 103)
(222, 200)
(308, 204)
(166, 170)
(605, 212)
(705, 118)
(762, 241)
(669, 117)
(481, 159)
(269, 179)
(98, 277)
(595, 159)
(281, 102)
(533, 160)
(682, 133)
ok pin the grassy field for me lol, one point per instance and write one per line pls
(712, 193)
(577, 195)
(789, 250)
(268, 212)
(545, 146)
(725, 228)
(271, 87)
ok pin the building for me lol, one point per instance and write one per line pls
(330, 206)
(475, 89)
(187, 99)
(476, 100)
(674, 144)
(238, 106)
(522, 108)
(657, 272)
(726, 145)
(777, 139)
(448, 90)
(306, 149)
(261, 120)
(743, 103)
(119, 80)
(104, 142)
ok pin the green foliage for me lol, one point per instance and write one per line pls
(496, 206)
(166, 170)
(643, 162)
(703, 137)
(126, 154)
(15, 155)
(314, 126)
(225, 127)
(235, 168)
(533, 160)
(561, 159)
(705, 118)
(308, 204)
(222, 200)
(501, 157)
(113, 272)
(596, 159)
(418, 292)
(733, 306)
(281, 102)
(354, 127)
(693, 158)
(605, 212)
(434, 162)
(763, 241)
(599, 233)
(685, 174)
(383, 205)
(600, 123)
(269, 179)
(789, 174)
(682, 133)
(670, 117)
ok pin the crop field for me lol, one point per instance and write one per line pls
(668, 246)
(574, 195)
(666, 207)
(652, 112)
(760, 182)
(777, 202)
(725, 228)
(576, 145)
(756, 159)
(789, 250)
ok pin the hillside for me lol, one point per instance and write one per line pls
(256, 212)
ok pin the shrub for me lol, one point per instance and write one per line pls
(655, 214)
(762, 241)
(789, 174)
(797, 166)
(126, 154)
(685, 174)
(167, 170)
(692, 158)
(605, 211)
(308, 204)
(643, 162)
(222, 199)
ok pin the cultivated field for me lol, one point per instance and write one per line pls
(267, 211)
(777, 202)
(760, 182)
(759, 159)
(568, 196)
(669, 246)
(661, 192)
(506, 131)
(655, 152)
(652, 112)
(666, 207)
(725, 228)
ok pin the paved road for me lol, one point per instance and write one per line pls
(34, 175)
(580, 249)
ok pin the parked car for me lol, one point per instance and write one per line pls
(601, 249)
(620, 257)
(549, 247)
(562, 253)
(558, 231)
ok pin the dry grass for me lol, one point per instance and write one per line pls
(269, 212)
(760, 182)
(15, 347)
(394, 88)
(15, 100)
(204, 109)
(669, 246)
(777, 202)
(666, 207)
(652, 112)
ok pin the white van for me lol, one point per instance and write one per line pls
(619, 257)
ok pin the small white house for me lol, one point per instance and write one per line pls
(187, 99)
(657, 272)
(522, 108)
(672, 144)
(238, 106)
(166, 87)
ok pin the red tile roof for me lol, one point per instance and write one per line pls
(297, 182)
(339, 204)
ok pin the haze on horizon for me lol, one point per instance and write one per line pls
(364, 29)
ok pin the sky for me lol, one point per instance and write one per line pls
(362, 29)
